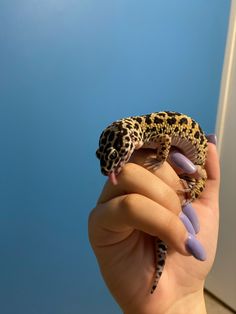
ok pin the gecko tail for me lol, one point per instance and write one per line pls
(161, 252)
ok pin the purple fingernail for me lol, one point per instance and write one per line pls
(194, 247)
(190, 212)
(187, 223)
(212, 138)
(182, 162)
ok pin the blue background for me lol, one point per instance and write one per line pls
(67, 69)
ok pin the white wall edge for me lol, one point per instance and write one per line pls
(230, 55)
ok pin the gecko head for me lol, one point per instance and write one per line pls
(115, 148)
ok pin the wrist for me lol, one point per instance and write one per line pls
(193, 303)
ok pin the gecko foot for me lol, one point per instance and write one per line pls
(152, 163)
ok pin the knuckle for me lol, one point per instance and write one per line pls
(127, 170)
(172, 224)
(92, 218)
(129, 203)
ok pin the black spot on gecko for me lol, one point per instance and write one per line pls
(193, 124)
(103, 141)
(158, 120)
(138, 119)
(161, 262)
(173, 113)
(105, 134)
(109, 166)
(118, 142)
(162, 246)
(111, 136)
(171, 121)
(202, 139)
(124, 132)
(98, 154)
(103, 162)
(183, 121)
(148, 120)
(197, 134)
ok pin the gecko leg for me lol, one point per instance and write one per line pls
(161, 251)
(193, 184)
(195, 187)
(163, 148)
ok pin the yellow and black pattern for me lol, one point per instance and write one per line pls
(159, 131)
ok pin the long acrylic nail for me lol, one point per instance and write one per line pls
(212, 138)
(182, 162)
(190, 212)
(194, 247)
(187, 223)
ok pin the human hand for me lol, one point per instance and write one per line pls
(124, 224)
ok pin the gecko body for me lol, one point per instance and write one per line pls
(159, 131)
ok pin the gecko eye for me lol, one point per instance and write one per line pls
(113, 154)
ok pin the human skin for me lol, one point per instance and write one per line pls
(122, 230)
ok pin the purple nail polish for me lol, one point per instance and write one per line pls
(190, 212)
(187, 223)
(212, 138)
(194, 247)
(182, 162)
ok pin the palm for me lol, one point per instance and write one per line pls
(127, 259)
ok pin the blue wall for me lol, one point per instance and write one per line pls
(67, 69)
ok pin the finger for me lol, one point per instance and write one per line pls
(181, 163)
(187, 222)
(123, 214)
(212, 163)
(190, 212)
(211, 191)
(136, 179)
(164, 172)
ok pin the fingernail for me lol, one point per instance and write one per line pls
(182, 162)
(212, 138)
(190, 212)
(187, 223)
(194, 247)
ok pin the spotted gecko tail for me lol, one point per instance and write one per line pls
(161, 251)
